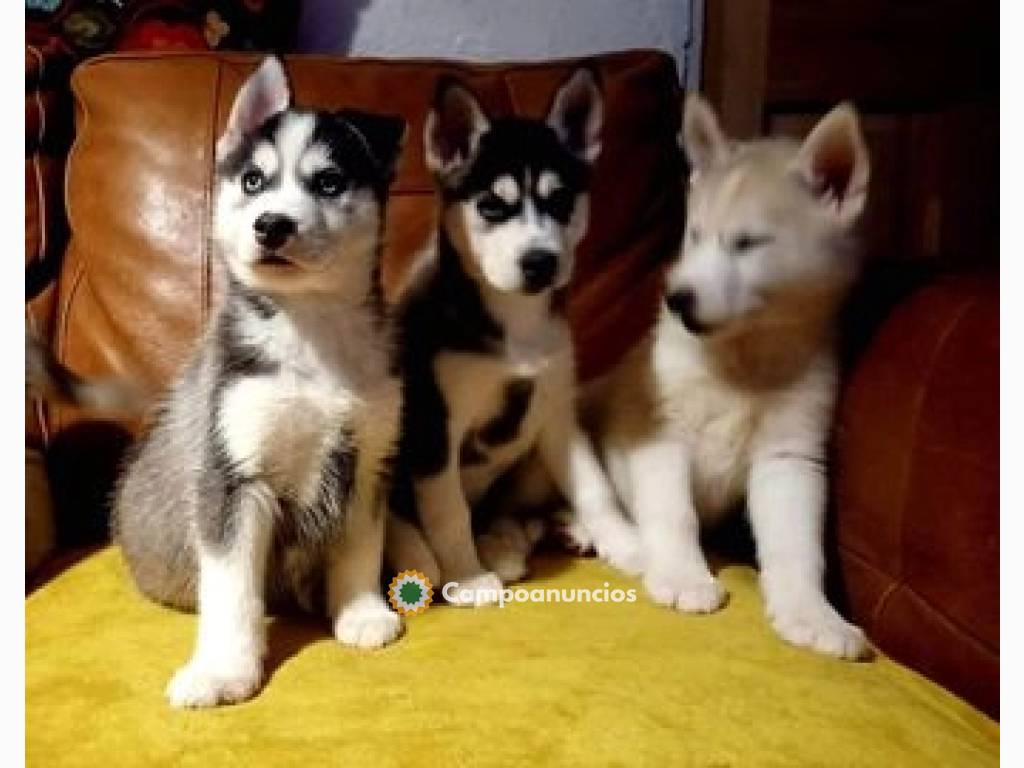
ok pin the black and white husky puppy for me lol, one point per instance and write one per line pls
(487, 353)
(264, 477)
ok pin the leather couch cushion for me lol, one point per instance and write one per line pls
(139, 281)
(916, 487)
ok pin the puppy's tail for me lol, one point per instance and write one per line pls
(46, 378)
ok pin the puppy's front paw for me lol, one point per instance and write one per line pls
(367, 622)
(505, 548)
(689, 592)
(204, 684)
(816, 625)
(503, 559)
(473, 591)
(620, 548)
(574, 536)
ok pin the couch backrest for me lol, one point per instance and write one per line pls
(138, 281)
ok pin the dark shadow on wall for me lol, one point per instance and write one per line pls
(328, 26)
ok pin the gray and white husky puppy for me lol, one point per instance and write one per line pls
(486, 350)
(264, 477)
(731, 396)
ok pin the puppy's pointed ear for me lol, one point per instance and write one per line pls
(702, 138)
(576, 114)
(834, 164)
(384, 136)
(263, 94)
(453, 128)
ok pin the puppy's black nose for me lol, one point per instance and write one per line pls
(683, 304)
(273, 229)
(539, 268)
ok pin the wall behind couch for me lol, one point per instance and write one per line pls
(494, 30)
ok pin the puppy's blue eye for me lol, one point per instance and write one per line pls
(329, 183)
(493, 209)
(253, 181)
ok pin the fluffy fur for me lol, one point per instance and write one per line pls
(264, 477)
(732, 395)
(487, 353)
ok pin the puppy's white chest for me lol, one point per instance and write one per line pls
(282, 427)
(717, 423)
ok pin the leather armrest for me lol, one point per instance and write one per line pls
(48, 133)
(916, 486)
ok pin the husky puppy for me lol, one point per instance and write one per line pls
(732, 394)
(264, 477)
(487, 354)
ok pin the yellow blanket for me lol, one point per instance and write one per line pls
(527, 684)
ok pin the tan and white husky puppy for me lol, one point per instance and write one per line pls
(732, 394)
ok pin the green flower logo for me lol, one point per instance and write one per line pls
(410, 592)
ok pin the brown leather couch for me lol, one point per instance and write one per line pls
(916, 454)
